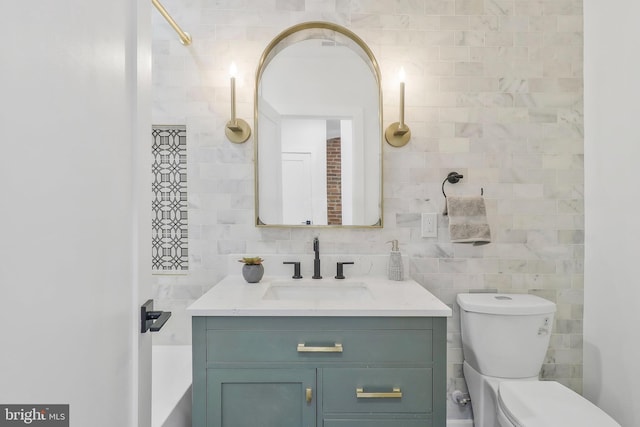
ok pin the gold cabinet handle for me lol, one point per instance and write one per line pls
(309, 394)
(336, 348)
(396, 394)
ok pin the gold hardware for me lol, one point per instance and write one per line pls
(309, 394)
(395, 394)
(185, 38)
(398, 134)
(236, 130)
(336, 348)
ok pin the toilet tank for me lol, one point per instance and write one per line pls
(505, 335)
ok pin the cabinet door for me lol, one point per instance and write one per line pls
(261, 397)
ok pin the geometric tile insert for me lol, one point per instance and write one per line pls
(169, 235)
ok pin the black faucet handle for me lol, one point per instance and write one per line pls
(340, 270)
(296, 269)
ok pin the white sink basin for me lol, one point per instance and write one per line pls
(304, 291)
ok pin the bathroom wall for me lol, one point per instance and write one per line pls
(612, 154)
(494, 91)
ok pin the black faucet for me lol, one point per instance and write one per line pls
(316, 261)
(296, 269)
(340, 269)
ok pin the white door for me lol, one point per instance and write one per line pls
(73, 253)
(303, 136)
(297, 188)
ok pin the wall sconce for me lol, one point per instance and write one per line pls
(398, 134)
(237, 130)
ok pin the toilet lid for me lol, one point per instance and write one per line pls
(549, 404)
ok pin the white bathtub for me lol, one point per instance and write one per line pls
(171, 386)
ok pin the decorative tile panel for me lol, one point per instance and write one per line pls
(169, 199)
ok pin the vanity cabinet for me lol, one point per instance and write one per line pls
(265, 397)
(319, 371)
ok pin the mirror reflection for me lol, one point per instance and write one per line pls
(318, 130)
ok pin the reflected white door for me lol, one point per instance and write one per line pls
(297, 188)
(305, 137)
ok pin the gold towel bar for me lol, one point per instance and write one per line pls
(185, 38)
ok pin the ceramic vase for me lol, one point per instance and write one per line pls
(252, 273)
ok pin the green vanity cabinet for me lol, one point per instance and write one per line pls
(319, 371)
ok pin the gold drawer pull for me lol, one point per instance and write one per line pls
(396, 394)
(336, 348)
(309, 394)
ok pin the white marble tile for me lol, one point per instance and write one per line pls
(500, 7)
(470, 7)
(496, 93)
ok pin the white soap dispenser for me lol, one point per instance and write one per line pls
(396, 268)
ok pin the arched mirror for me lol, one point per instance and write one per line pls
(318, 136)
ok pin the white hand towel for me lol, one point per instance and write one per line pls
(468, 220)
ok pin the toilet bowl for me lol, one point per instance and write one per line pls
(504, 341)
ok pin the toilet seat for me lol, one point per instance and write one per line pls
(548, 404)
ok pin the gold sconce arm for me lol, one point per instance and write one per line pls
(236, 130)
(398, 134)
(185, 38)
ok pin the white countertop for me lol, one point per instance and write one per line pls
(232, 296)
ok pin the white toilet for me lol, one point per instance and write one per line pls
(504, 341)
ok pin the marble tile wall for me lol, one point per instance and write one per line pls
(494, 91)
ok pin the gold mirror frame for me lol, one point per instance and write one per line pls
(297, 33)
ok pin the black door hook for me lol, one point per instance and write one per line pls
(152, 320)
